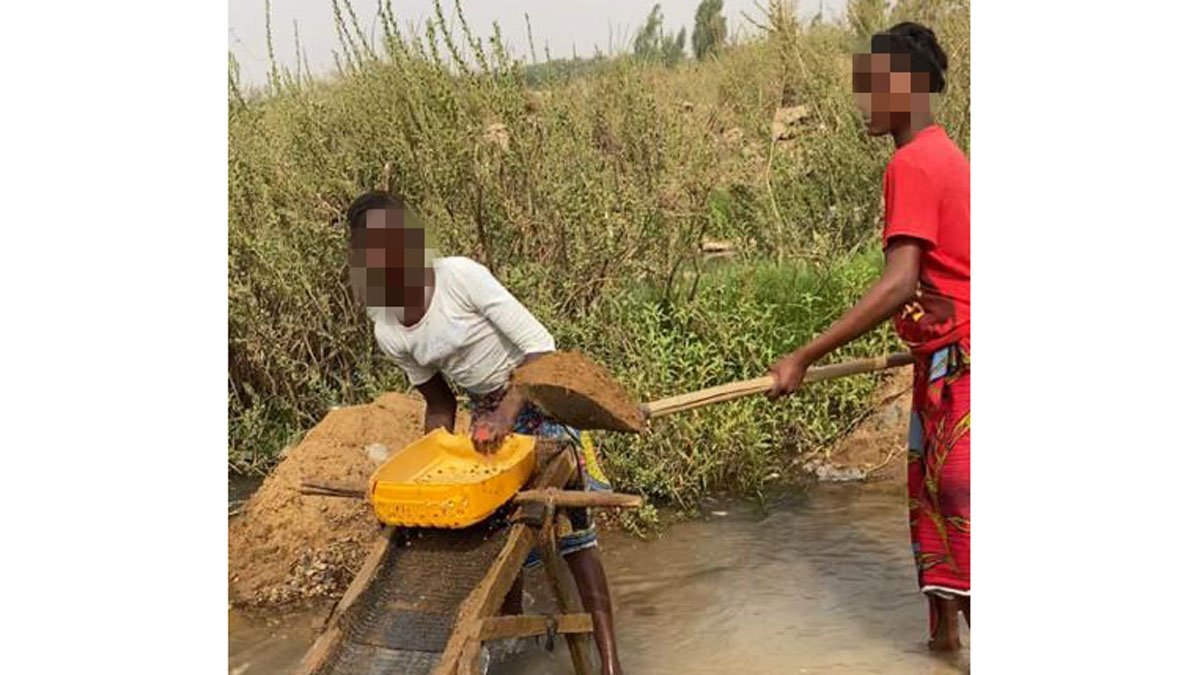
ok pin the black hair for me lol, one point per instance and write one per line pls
(375, 199)
(921, 46)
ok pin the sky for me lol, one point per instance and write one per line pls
(559, 24)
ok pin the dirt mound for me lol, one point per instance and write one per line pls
(877, 449)
(575, 390)
(286, 548)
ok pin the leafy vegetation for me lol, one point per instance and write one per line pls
(588, 189)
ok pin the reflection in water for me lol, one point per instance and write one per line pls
(823, 584)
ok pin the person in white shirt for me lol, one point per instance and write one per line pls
(447, 320)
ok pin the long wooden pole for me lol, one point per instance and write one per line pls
(760, 385)
(578, 498)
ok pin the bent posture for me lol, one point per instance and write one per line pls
(926, 287)
(449, 321)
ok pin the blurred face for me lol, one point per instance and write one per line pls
(387, 259)
(887, 92)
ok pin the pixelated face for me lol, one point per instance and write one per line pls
(887, 92)
(388, 259)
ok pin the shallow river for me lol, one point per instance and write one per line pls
(822, 584)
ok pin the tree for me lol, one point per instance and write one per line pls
(651, 44)
(649, 36)
(709, 34)
(672, 50)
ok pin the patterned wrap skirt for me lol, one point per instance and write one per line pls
(939, 470)
(575, 528)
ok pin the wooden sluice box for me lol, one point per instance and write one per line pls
(457, 529)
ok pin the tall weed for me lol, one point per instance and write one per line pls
(588, 191)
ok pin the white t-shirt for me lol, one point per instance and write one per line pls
(474, 333)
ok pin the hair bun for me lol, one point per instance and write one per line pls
(924, 39)
(922, 42)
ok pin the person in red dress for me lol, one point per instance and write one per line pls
(926, 288)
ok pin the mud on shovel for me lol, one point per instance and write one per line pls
(576, 391)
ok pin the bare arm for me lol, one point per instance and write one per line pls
(440, 406)
(895, 287)
(514, 400)
(883, 300)
(489, 431)
(521, 328)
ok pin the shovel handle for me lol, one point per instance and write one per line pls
(761, 385)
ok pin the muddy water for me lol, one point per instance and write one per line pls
(275, 645)
(822, 584)
(240, 489)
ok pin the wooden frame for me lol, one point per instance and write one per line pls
(476, 623)
(484, 602)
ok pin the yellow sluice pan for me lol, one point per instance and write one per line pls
(441, 481)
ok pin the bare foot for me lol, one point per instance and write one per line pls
(943, 620)
(944, 643)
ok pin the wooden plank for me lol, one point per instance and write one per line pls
(568, 603)
(503, 627)
(321, 649)
(468, 661)
(577, 498)
(487, 597)
(316, 655)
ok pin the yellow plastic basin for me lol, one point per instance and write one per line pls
(441, 481)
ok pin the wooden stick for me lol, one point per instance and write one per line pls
(760, 385)
(333, 490)
(574, 498)
(568, 603)
(468, 660)
(501, 627)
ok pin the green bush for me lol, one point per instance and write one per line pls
(740, 319)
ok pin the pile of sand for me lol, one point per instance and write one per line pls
(286, 548)
(877, 448)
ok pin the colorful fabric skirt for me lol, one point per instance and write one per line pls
(939, 471)
(575, 528)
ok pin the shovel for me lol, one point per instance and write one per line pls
(575, 391)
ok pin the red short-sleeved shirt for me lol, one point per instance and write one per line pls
(927, 195)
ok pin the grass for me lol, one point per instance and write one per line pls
(588, 192)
